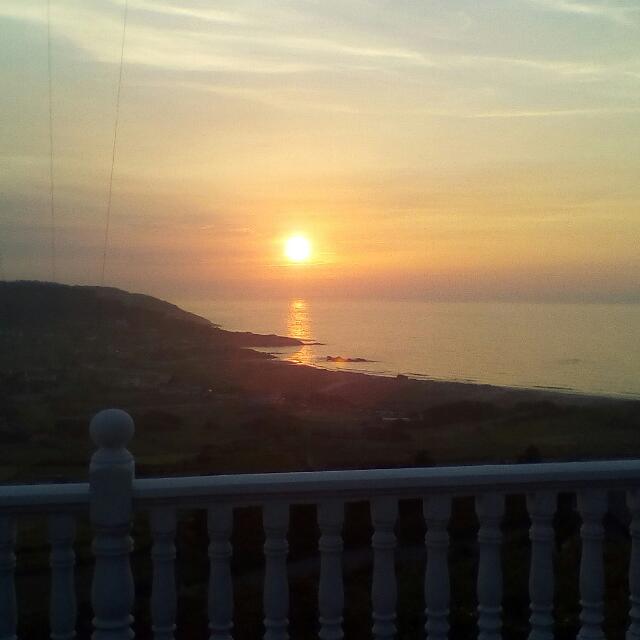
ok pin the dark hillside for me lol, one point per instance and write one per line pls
(27, 306)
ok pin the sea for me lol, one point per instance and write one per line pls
(579, 348)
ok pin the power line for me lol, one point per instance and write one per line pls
(51, 159)
(115, 140)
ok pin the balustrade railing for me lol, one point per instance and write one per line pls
(113, 494)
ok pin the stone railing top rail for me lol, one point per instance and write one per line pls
(44, 497)
(314, 486)
(311, 486)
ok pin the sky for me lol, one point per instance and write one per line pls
(441, 150)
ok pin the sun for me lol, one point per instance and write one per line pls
(297, 249)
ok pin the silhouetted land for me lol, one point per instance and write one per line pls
(205, 402)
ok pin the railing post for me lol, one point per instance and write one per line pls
(163, 590)
(8, 615)
(633, 501)
(490, 510)
(220, 599)
(541, 507)
(437, 511)
(592, 504)
(276, 582)
(384, 590)
(62, 604)
(331, 587)
(111, 476)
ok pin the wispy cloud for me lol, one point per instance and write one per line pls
(260, 49)
(556, 67)
(557, 113)
(233, 41)
(208, 14)
(620, 13)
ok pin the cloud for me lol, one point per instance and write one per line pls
(251, 47)
(545, 113)
(202, 14)
(248, 42)
(556, 67)
(619, 13)
(256, 49)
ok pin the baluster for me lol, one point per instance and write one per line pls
(490, 509)
(633, 500)
(592, 505)
(276, 585)
(384, 512)
(220, 522)
(111, 480)
(437, 510)
(163, 590)
(331, 588)
(8, 613)
(62, 606)
(541, 507)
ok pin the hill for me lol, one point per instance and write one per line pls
(43, 306)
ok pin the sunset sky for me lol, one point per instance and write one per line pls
(449, 150)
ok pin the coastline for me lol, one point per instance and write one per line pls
(208, 400)
(553, 392)
(577, 348)
(415, 390)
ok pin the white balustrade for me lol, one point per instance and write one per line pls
(592, 505)
(111, 475)
(490, 509)
(220, 524)
(541, 507)
(62, 604)
(276, 583)
(163, 589)
(113, 492)
(437, 511)
(8, 614)
(384, 593)
(331, 587)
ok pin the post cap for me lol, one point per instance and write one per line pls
(111, 428)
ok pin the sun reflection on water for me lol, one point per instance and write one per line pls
(299, 327)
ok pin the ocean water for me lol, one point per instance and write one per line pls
(585, 348)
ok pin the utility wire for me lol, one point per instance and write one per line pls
(115, 141)
(51, 158)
